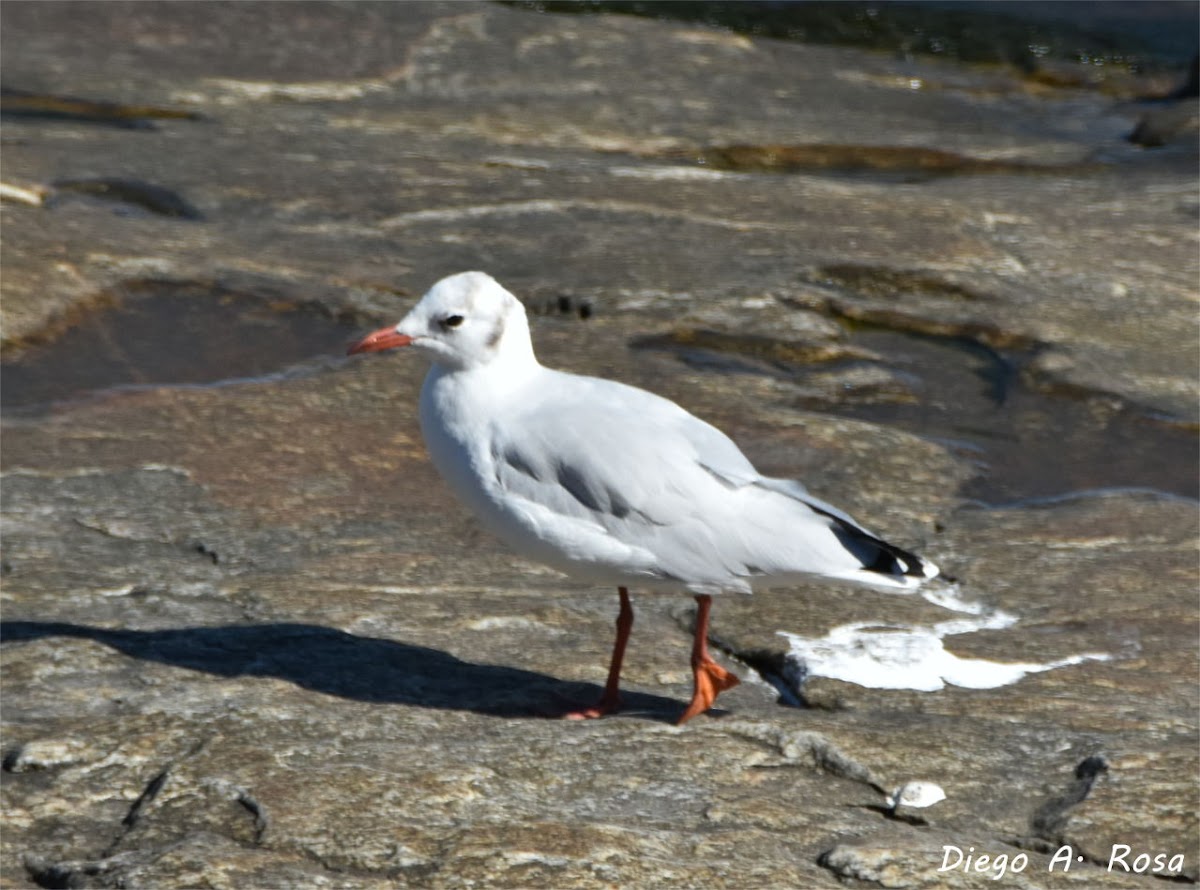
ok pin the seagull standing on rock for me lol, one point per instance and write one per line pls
(611, 484)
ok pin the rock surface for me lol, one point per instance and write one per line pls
(248, 641)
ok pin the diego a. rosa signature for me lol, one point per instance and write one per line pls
(1121, 857)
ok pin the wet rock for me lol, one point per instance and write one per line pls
(1032, 244)
(248, 639)
(857, 384)
(772, 350)
(1173, 117)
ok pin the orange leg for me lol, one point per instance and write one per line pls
(710, 679)
(610, 701)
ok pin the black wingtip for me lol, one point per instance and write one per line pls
(891, 560)
(881, 557)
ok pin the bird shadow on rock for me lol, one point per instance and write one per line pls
(333, 662)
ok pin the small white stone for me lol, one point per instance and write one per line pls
(916, 795)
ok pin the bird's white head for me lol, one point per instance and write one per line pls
(465, 321)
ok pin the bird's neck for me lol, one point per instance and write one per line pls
(514, 351)
(507, 372)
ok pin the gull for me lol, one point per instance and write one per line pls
(614, 485)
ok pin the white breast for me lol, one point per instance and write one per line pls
(459, 421)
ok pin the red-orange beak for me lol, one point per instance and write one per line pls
(384, 338)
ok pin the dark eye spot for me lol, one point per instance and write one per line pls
(452, 321)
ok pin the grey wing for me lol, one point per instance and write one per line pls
(617, 476)
(620, 466)
(616, 455)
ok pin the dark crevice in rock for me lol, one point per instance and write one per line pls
(153, 787)
(1048, 824)
(258, 812)
(149, 793)
(162, 543)
(778, 671)
(1183, 878)
(1050, 819)
(120, 870)
(775, 670)
(12, 759)
(156, 199)
(59, 875)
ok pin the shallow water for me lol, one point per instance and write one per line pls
(1029, 444)
(1025, 442)
(169, 333)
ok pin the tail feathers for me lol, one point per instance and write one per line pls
(891, 560)
(891, 563)
(882, 563)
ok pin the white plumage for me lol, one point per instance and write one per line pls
(607, 482)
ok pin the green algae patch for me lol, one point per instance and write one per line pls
(883, 159)
(21, 103)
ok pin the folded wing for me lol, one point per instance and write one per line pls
(649, 485)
